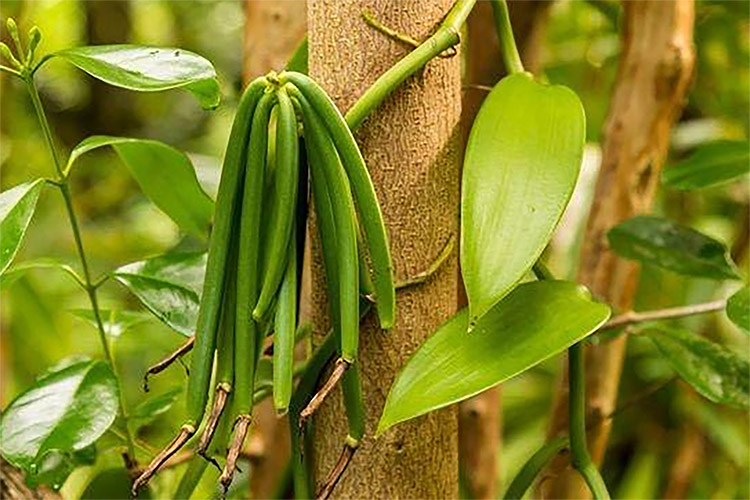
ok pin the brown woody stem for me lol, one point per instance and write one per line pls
(632, 317)
(186, 432)
(240, 431)
(338, 470)
(338, 371)
(220, 402)
(164, 363)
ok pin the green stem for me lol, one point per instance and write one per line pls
(446, 36)
(10, 70)
(534, 466)
(64, 186)
(508, 47)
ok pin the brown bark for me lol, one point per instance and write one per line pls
(479, 418)
(13, 486)
(411, 145)
(655, 71)
(272, 32)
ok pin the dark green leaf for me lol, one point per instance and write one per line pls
(738, 309)
(115, 322)
(17, 206)
(169, 286)
(148, 410)
(298, 61)
(148, 69)
(713, 370)
(67, 411)
(710, 165)
(112, 484)
(166, 176)
(520, 168)
(668, 245)
(535, 321)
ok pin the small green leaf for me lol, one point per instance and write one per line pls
(521, 165)
(18, 270)
(738, 309)
(713, 370)
(166, 176)
(67, 411)
(169, 286)
(668, 245)
(535, 321)
(148, 410)
(710, 165)
(115, 322)
(17, 206)
(148, 69)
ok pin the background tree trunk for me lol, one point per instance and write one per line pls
(655, 71)
(480, 418)
(412, 147)
(272, 32)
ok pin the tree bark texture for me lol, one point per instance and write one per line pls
(655, 71)
(412, 148)
(480, 417)
(272, 32)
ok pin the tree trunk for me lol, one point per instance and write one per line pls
(272, 32)
(655, 71)
(412, 148)
(480, 418)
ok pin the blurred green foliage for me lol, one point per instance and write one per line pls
(39, 327)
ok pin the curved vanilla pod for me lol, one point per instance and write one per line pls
(325, 157)
(370, 215)
(285, 326)
(208, 315)
(246, 332)
(283, 204)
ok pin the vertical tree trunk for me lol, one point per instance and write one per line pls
(272, 32)
(479, 418)
(655, 70)
(411, 145)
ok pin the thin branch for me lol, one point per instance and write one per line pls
(164, 363)
(338, 470)
(319, 397)
(432, 268)
(186, 432)
(633, 317)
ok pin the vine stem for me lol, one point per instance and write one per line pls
(633, 317)
(90, 287)
(508, 48)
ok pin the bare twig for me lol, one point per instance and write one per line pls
(186, 432)
(338, 470)
(220, 403)
(164, 363)
(432, 268)
(338, 371)
(632, 317)
(240, 431)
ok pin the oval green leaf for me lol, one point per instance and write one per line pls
(710, 165)
(521, 165)
(165, 175)
(17, 206)
(535, 321)
(713, 370)
(671, 246)
(738, 309)
(169, 286)
(148, 69)
(66, 410)
(115, 322)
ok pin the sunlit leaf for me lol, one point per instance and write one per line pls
(535, 321)
(521, 165)
(17, 206)
(169, 286)
(166, 176)
(67, 411)
(668, 245)
(738, 309)
(115, 322)
(713, 370)
(148, 69)
(710, 165)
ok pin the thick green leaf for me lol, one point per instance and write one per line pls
(535, 321)
(738, 309)
(166, 176)
(668, 245)
(521, 165)
(67, 411)
(115, 322)
(17, 206)
(713, 370)
(148, 410)
(148, 69)
(169, 286)
(710, 165)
